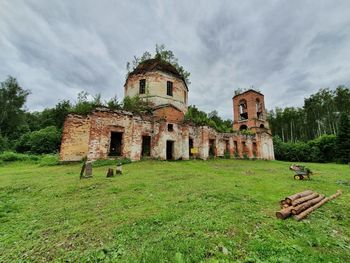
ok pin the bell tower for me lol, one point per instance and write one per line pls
(249, 111)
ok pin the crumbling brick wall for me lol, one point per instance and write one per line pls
(75, 138)
(91, 136)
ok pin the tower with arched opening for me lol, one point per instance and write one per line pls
(249, 111)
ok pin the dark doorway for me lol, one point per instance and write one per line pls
(169, 150)
(262, 126)
(115, 148)
(255, 149)
(227, 149)
(190, 146)
(146, 146)
(236, 148)
(211, 148)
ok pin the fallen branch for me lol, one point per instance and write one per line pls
(311, 209)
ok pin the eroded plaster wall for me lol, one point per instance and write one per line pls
(156, 89)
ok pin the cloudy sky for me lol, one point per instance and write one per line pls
(286, 49)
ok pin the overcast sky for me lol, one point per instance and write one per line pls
(286, 49)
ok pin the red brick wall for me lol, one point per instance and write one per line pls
(170, 114)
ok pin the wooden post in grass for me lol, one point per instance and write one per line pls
(110, 172)
(119, 169)
(88, 170)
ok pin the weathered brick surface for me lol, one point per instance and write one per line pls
(75, 138)
(169, 114)
(90, 136)
(253, 122)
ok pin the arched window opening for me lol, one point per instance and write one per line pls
(243, 114)
(243, 127)
(259, 110)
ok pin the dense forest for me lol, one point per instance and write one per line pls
(316, 131)
(319, 115)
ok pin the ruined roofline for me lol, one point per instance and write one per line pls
(250, 90)
(100, 109)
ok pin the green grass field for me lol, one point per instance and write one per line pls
(188, 211)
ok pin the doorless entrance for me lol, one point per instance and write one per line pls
(169, 150)
(146, 146)
(116, 144)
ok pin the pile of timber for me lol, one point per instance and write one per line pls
(300, 205)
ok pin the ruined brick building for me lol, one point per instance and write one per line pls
(106, 133)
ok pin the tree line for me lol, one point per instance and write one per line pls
(319, 115)
(318, 132)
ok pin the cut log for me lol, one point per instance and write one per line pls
(283, 202)
(291, 198)
(304, 199)
(301, 207)
(305, 213)
(282, 214)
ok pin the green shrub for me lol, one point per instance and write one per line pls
(23, 143)
(245, 156)
(3, 143)
(46, 140)
(321, 149)
(49, 160)
(13, 157)
(136, 105)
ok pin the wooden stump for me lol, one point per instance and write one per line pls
(110, 172)
(88, 170)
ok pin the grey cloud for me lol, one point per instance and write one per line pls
(287, 49)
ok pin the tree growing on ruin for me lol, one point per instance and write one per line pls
(163, 54)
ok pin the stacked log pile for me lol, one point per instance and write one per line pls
(300, 205)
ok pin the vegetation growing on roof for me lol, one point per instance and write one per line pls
(162, 55)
